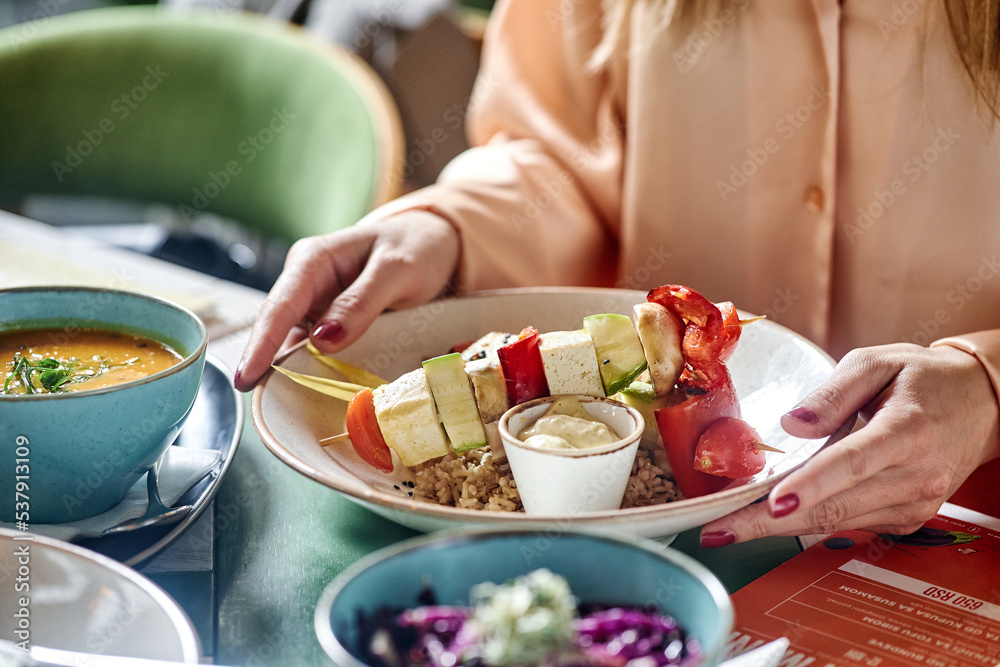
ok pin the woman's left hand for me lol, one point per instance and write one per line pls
(932, 419)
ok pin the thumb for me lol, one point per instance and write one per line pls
(858, 379)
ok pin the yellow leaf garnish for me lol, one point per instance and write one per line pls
(345, 391)
(352, 373)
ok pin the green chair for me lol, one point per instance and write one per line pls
(227, 113)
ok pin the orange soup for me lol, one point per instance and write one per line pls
(44, 361)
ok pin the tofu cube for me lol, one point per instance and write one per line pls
(489, 387)
(570, 363)
(409, 420)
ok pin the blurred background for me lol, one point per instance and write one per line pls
(425, 51)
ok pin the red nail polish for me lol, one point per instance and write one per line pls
(237, 376)
(804, 415)
(785, 505)
(330, 331)
(717, 538)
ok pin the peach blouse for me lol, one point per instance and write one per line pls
(820, 162)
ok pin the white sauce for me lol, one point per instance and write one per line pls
(566, 425)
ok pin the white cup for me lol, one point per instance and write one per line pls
(571, 481)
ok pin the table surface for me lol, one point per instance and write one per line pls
(249, 572)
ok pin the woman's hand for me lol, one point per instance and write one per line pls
(339, 283)
(932, 419)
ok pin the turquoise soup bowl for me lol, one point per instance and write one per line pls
(599, 569)
(68, 456)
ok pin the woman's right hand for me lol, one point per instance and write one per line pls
(342, 281)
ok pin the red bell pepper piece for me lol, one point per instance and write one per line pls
(698, 381)
(705, 336)
(682, 425)
(521, 362)
(366, 436)
(729, 448)
(731, 330)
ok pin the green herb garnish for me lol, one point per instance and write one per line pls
(52, 375)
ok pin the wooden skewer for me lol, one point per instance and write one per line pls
(743, 323)
(335, 439)
(767, 448)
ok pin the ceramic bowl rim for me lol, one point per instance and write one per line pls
(341, 656)
(187, 361)
(190, 642)
(509, 439)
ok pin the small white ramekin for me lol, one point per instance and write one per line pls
(567, 482)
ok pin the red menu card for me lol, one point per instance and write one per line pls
(854, 598)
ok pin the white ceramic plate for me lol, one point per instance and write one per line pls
(82, 601)
(772, 369)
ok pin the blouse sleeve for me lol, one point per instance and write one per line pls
(536, 200)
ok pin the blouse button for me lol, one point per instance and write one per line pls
(814, 198)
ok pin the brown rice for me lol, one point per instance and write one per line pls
(472, 480)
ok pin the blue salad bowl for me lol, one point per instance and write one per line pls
(599, 569)
(73, 455)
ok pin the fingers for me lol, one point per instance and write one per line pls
(839, 467)
(879, 504)
(381, 285)
(858, 379)
(880, 476)
(754, 521)
(861, 379)
(346, 279)
(311, 277)
(932, 420)
(410, 263)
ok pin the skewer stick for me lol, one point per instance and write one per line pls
(335, 439)
(743, 323)
(761, 446)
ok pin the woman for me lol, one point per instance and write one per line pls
(829, 164)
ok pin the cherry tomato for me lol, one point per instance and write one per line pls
(680, 428)
(728, 448)
(366, 436)
(521, 362)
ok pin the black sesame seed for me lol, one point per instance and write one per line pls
(410, 493)
(396, 486)
(607, 361)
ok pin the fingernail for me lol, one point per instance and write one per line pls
(238, 375)
(804, 415)
(785, 505)
(330, 331)
(717, 538)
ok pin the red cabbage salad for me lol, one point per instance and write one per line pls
(532, 620)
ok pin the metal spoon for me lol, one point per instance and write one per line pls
(156, 511)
